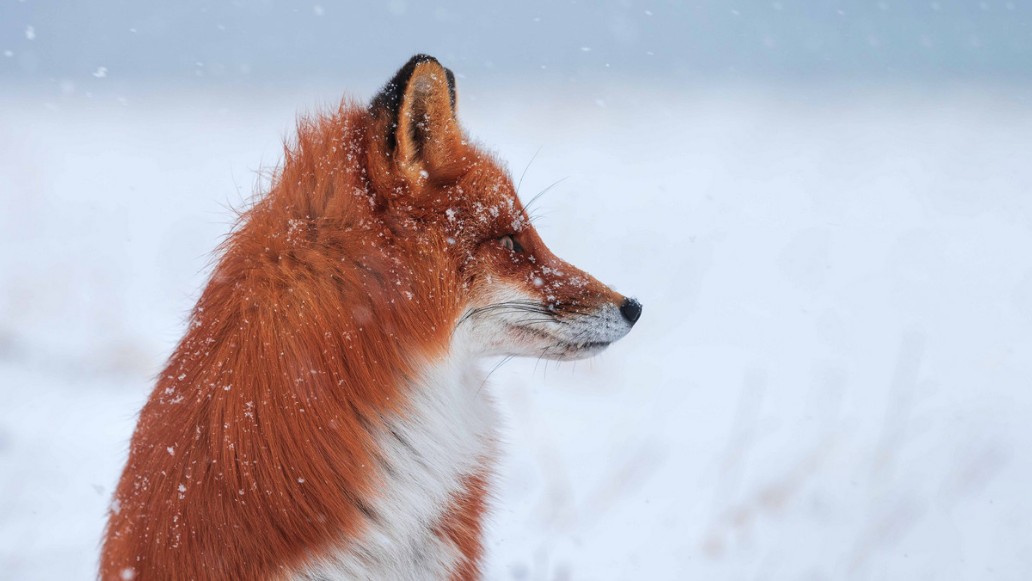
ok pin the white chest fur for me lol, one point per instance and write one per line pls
(444, 434)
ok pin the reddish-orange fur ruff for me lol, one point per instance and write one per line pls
(254, 452)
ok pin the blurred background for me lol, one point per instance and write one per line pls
(824, 207)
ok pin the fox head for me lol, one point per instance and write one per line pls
(515, 296)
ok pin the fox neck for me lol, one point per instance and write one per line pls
(430, 449)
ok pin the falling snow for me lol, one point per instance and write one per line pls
(829, 380)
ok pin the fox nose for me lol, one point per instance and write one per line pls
(631, 310)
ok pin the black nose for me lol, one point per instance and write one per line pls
(631, 310)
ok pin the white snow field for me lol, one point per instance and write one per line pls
(830, 379)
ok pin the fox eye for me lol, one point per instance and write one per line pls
(510, 243)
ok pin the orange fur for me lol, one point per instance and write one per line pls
(280, 376)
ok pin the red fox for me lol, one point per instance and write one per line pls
(323, 416)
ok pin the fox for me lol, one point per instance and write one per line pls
(323, 417)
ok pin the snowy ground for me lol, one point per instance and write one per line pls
(830, 380)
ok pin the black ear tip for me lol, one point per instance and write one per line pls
(388, 101)
(421, 58)
(390, 95)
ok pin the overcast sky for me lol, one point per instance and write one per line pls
(272, 41)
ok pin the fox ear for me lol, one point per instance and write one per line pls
(415, 113)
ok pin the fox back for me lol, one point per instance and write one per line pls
(323, 417)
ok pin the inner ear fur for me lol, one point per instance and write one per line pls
(417, 113)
